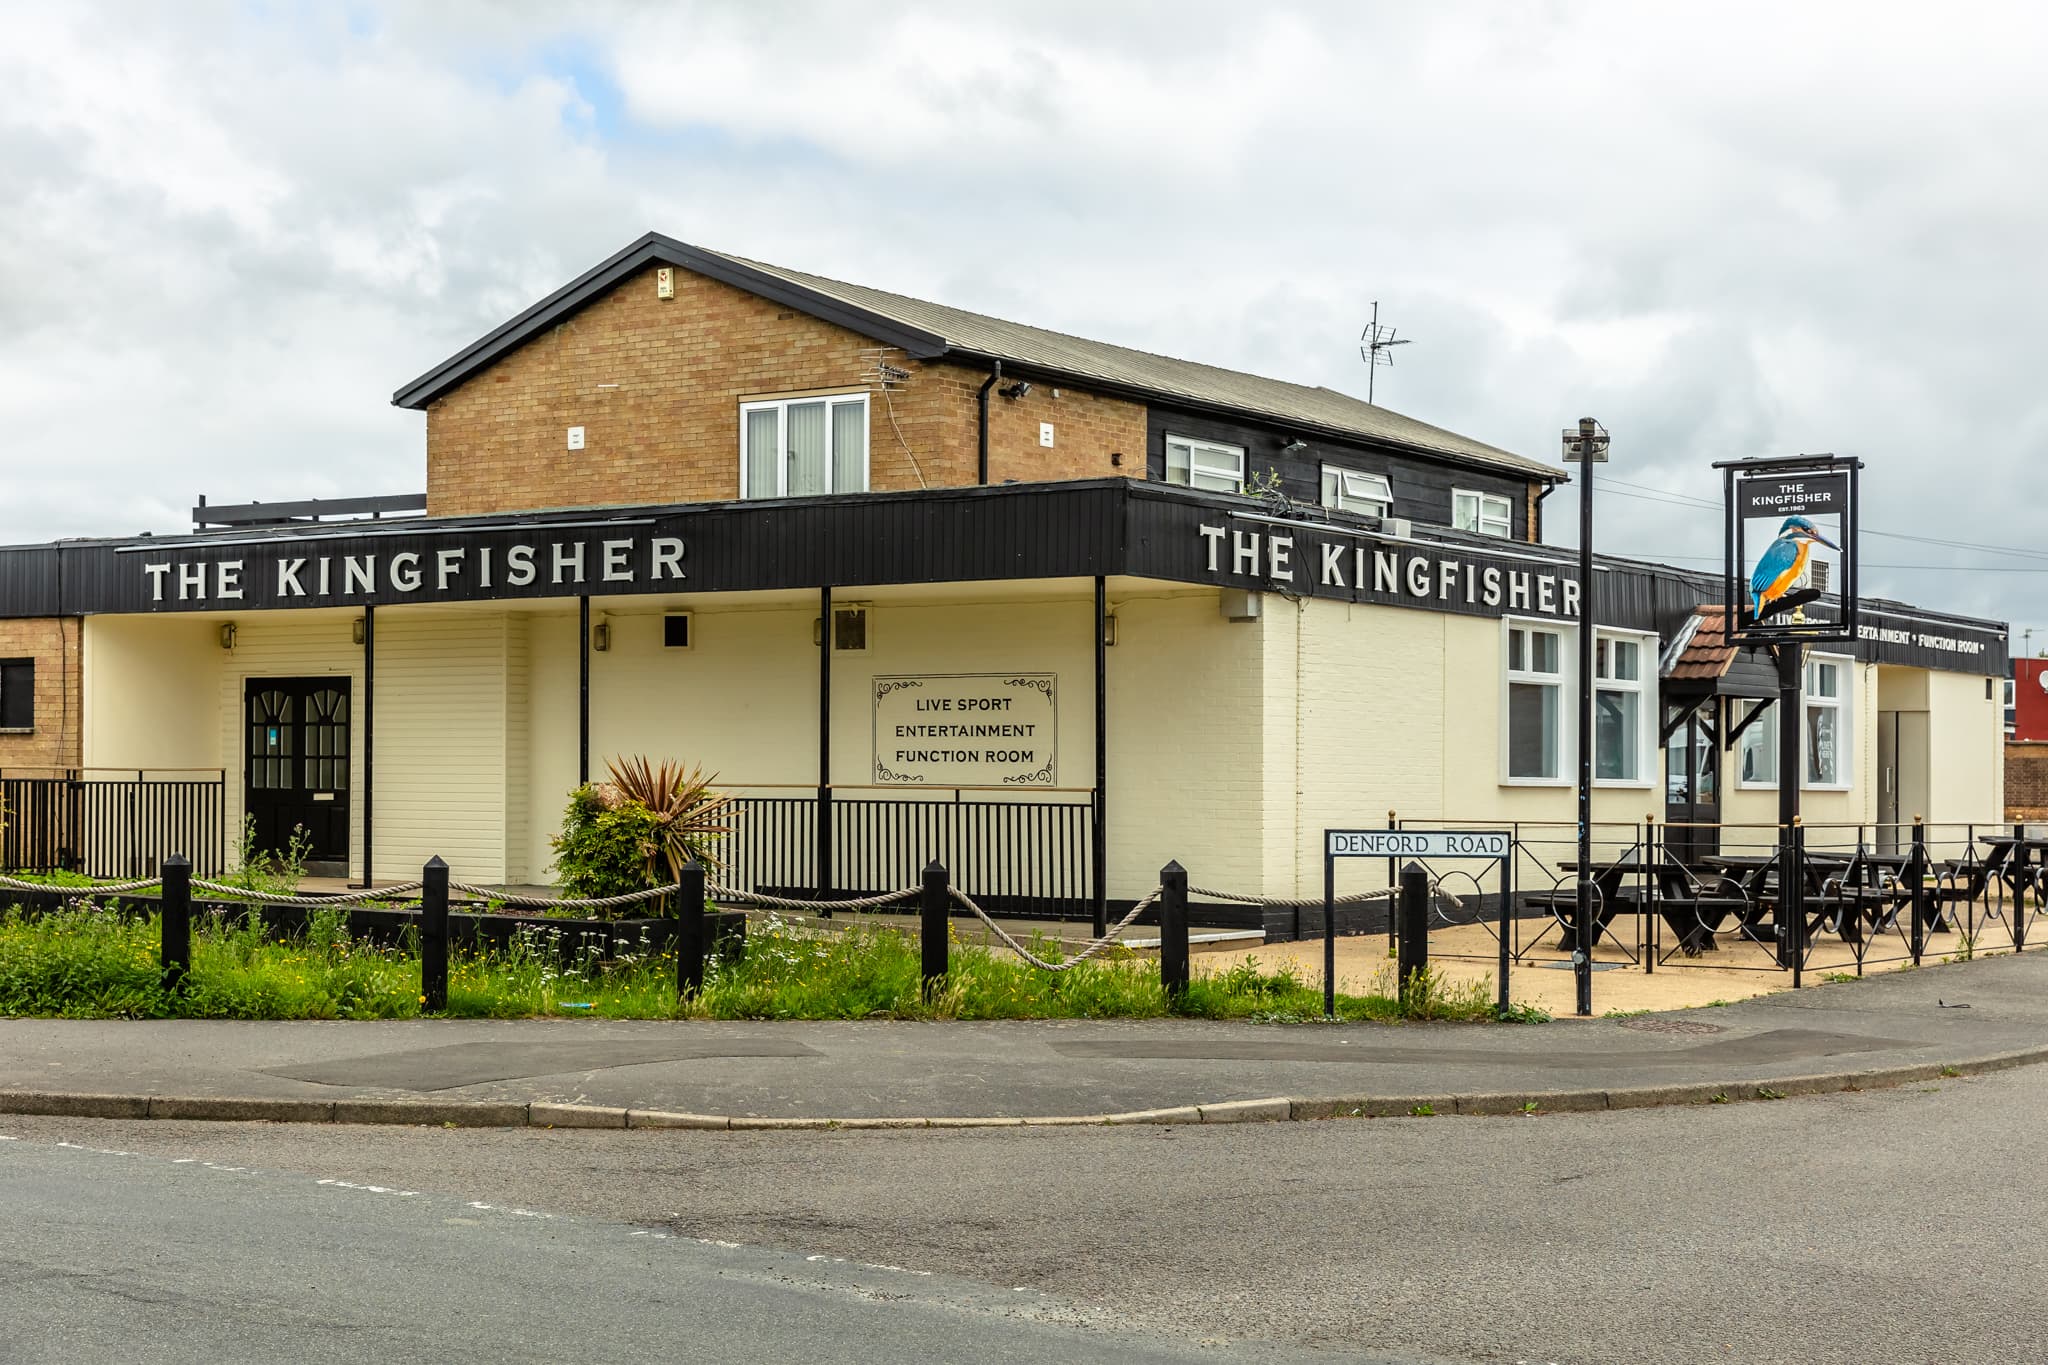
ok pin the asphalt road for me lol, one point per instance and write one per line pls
(1889, 1225)
(114, 1253)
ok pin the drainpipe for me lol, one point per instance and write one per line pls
(981, 402)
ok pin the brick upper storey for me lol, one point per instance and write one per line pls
(650, 362)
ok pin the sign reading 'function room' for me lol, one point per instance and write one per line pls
(967, 730)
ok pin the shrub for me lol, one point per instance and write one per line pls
(602, 849)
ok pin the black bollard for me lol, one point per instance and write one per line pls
(176, 953)
(933, 910)
(690, 946)
(433, 937)
(1173, 929)
(1412, 953)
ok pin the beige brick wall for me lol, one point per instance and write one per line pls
(656, 385)
(53, 644)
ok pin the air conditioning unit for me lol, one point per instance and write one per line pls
(1400, 528)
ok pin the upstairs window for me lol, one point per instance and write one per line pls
(1354, 490)
(17, 694)
(1486, 514)
(1205, 464)
(802, 447)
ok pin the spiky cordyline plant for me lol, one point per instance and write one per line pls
(684, 807)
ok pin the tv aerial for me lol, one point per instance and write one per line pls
(1376, 350)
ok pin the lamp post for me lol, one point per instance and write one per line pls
(1585, 446)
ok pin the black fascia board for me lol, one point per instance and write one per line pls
(656, 249)
(1024, 369)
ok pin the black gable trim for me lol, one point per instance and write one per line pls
(655, 249)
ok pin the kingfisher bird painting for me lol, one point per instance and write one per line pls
(1781, 564)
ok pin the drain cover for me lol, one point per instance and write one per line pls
(1671, 1026)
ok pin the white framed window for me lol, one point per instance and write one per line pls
(1827, 721)
(802, 447)
(1533, 718)
(1205, 464)
(1486, 514)
(1759, 765)
(1624, 703)
(1354, 490)
(1825, 731)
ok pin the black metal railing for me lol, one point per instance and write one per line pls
(112, 823)
(1011, 853)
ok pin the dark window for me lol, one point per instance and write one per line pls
(17, 694)
(675, 632)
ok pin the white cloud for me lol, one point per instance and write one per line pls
(228, 233)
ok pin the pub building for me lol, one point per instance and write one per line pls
(913, 582)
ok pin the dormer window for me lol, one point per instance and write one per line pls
(1354, 490)
(803, 447)
(1485, 514)
(1205, 464)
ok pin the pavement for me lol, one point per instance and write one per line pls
(1898, 1028)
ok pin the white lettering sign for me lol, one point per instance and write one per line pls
(967, 730)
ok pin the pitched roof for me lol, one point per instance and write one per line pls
(930, 330)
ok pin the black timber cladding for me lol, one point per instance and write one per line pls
(1077, 529)
(1422, 485)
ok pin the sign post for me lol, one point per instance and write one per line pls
(1789, 579)
(1396, 844)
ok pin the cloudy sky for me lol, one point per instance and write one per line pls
(228, 232)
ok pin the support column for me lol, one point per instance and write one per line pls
(824, 878)
(1791, 772)
(1099, 824)
(583, 690)
(369, 717)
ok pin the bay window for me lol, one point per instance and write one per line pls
(1824, 731)
(802, 447)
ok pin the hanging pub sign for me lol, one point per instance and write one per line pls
(1791, 548)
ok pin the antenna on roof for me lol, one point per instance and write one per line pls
(879, 373)
(1378, 340)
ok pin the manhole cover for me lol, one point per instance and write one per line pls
(1671, 1026)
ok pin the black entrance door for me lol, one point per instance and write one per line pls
(1692, 787)
(297, 771)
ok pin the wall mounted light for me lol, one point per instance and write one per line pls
(1109, 629)
(601, 636)
(355, 631)
(1294, 446)
(227, 635)
(1016, 390)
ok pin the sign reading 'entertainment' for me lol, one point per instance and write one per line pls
(967, 730)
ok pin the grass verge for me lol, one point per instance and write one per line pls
(89, 963)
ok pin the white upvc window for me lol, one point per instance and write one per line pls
(1354, 490)
(1825, 730)
(1205, 464)
(1759, 766)
(1486, 514)
(802, 447)
(1827, 721)
(1533, 718)
(1624, 707)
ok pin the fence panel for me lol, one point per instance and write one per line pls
(108, 826)
(1012, 854)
